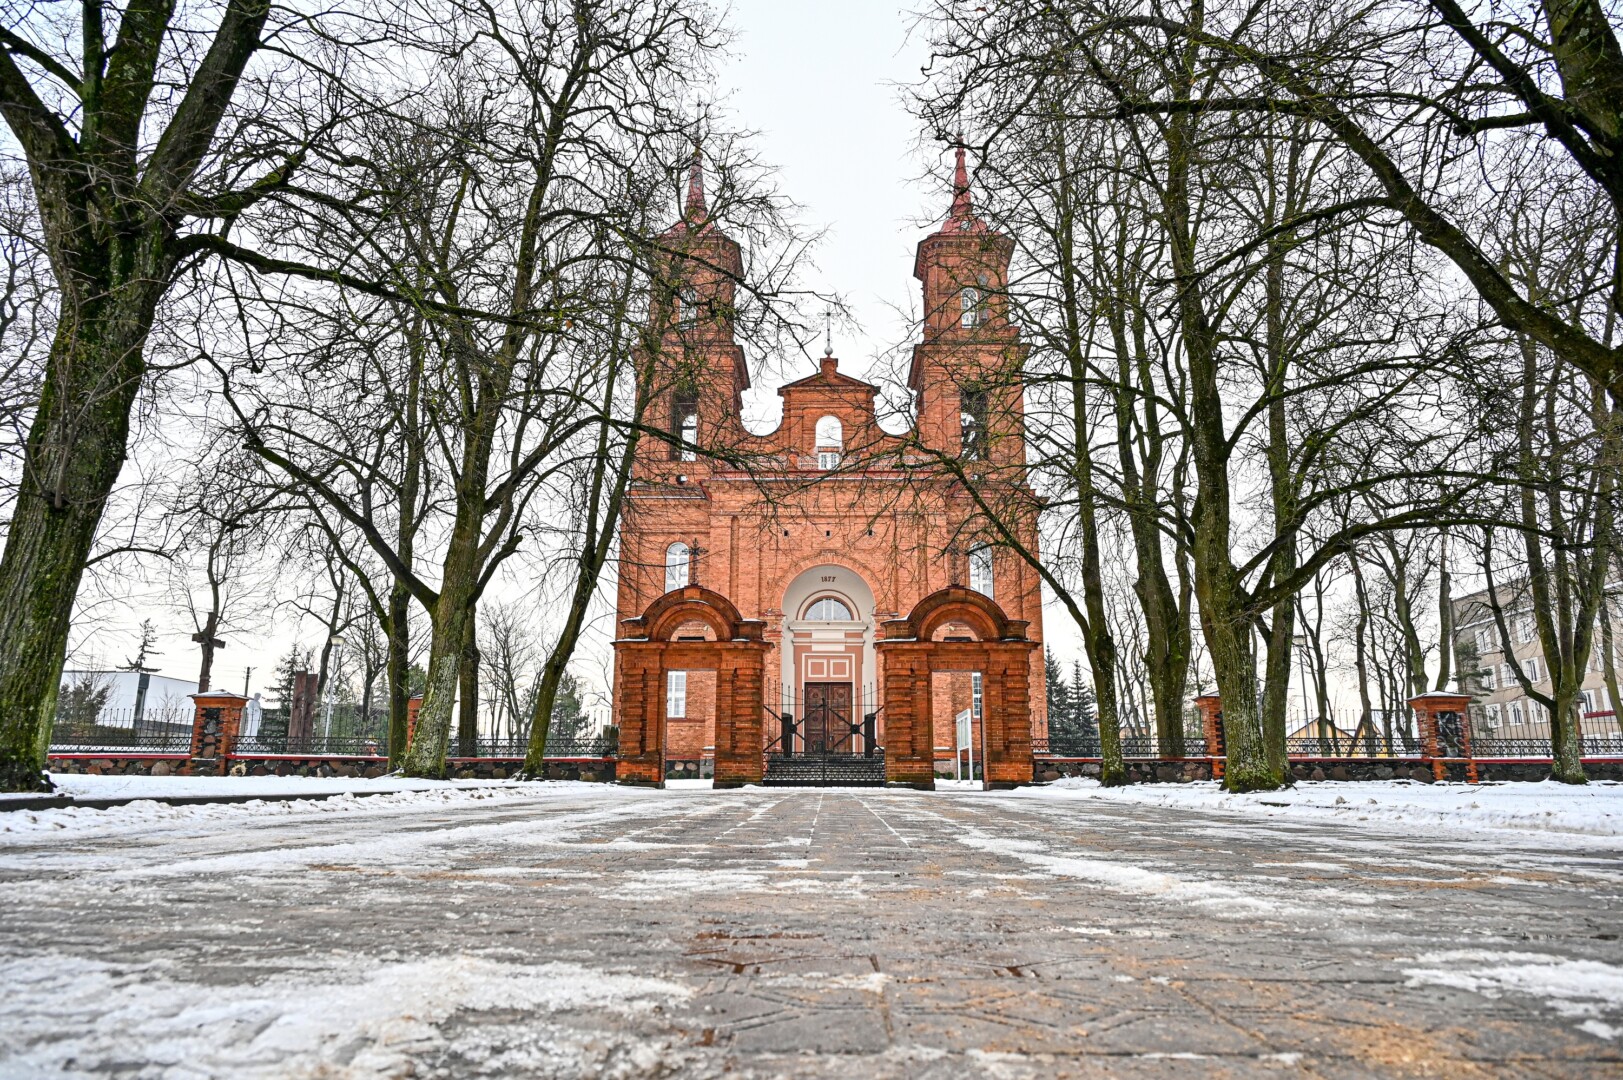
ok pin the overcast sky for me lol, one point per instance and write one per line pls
(821, 84)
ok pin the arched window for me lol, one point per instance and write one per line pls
(677, 558)
(980, 570)
(970, 315)
(830, 438)
(828, 609)
(687, 305)
(972, 409)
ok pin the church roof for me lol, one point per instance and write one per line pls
(828, 377)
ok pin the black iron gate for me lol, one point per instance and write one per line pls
(826, 736)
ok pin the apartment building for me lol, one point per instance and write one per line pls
(1487, 670)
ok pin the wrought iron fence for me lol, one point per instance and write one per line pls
(603, 744)
(1132, 746)
(314, 745)
(152, 731)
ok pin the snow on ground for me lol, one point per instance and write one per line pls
(1594, 809)
(370, 1020)
(85, 786)
(1578, 989)
(146, 813)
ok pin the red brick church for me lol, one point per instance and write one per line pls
(823, 602)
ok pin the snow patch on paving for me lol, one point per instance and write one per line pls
(1225, 901)
(147, 813)
(1590, 810)
(65, 1012)
(1585, 990)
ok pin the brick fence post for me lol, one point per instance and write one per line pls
(215, 723)
(1428, 711)
(1210, 707)
(414, 705)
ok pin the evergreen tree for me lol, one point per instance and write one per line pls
(568, 712)
(1059, 694)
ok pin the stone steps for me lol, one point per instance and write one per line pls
(830, 772)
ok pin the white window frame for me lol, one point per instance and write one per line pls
(1484, 640)
(676, 695)
(828, 460)
(1509, 673)
(1486, 675)
(1524, 628)
(1493, 716)
(981, 571)
(835, 599)
(977, 695)
(969, 301)
(678, 566)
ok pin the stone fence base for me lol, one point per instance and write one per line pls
(592, 770)
(121, 764)
(1150, 771)
(1139, 770)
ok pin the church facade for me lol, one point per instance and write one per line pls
(830, 590)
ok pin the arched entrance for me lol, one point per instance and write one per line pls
(826, 670)
(956, 630)
(690, 629)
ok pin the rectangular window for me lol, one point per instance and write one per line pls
(972, 425)
(980, 571)
(676, 694)
(1486, 675)
(1515, 714)
(1524, 628)
(1509, 674)
(1484, 640)
(1532, 666)
(685, 424)
(976, 693)
(828, 459)
(1492, 712)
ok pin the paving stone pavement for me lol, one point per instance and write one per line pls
(595, 931)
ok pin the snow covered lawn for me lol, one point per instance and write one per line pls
(162, 787)
(1594, 809)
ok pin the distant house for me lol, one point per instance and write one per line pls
(164, 700)
(1500, 708)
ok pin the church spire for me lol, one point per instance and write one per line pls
(696, 210)
(962, 208)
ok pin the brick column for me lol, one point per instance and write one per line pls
(739, 686)
(1210, 707)
(909, 742)
(215, 724)
(639, 704)
(1428, 710)
(1008, 710)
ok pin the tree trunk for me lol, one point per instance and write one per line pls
(398, 668)
(467, 732)
(75, 450)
